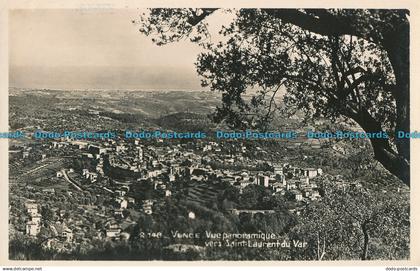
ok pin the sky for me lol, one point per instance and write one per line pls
(85, 49)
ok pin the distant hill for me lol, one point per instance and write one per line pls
(107, 109)
(185, 121)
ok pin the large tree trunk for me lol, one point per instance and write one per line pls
(394, 163)
(389, 158)
(397, 45)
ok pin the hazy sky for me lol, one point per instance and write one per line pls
(94, 49)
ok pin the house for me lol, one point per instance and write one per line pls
(96, 150)
(297, 195)
(85, 172)
(80, 144)
(171, 177)
(131, 200)
(67, 234)
(120, 148)
(244, 183)
(280, 177)
(121, 203)
(191, 215)
(32, 208)
(36, 218)
(53, 243)
(48, 190)
(92, 176)
(113, 229)
(120, 192)
(278, 187)
(304, 180)
(290, 185)
(263, 180)
(207, 148)
(32, 228)
(154, 173)
(310, 172)
(197, 178)
(87, 155)
(31, 204)
(118, 213)
(113, 232)
(315, 195)
(320, 172)
(278, 169)
(175, 169)
(307, 193)
(155, 163)
(62, 231)
(245, 176)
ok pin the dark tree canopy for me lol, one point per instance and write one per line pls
(333, 63)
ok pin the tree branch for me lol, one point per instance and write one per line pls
(326, 24)
(196, 19)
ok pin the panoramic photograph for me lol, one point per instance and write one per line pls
(209, 134)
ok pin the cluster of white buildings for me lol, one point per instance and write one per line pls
(33, 226)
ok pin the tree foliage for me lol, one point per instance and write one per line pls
(333, 63)
(354, 223)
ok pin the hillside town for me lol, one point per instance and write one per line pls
(112, 169)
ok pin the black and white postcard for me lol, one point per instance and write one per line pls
(209, 132)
